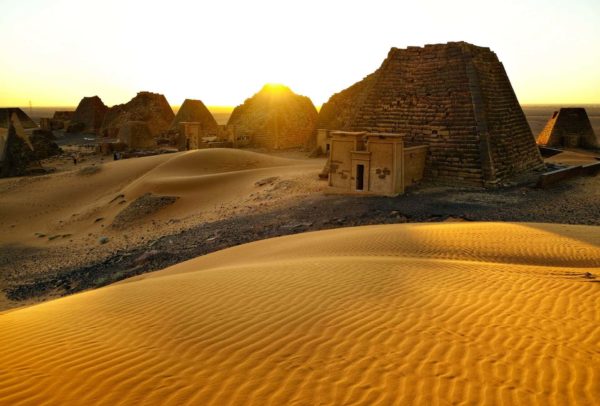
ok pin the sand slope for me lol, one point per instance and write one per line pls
(478, 313)
(64, 217)
(203, 180)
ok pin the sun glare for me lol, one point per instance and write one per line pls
(275, 87)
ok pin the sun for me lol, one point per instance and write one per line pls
(276, 88)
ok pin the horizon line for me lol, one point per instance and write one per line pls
(223, 106)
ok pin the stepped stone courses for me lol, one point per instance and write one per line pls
(151, 108)
(456, 98)
(569, 127)
(88, 116)
(275, 118)
(195, 111)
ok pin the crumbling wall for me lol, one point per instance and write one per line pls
(137, 135)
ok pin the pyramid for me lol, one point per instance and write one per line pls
(6, 114)
(569, 127)
(153, 108)
(456, 98)
(275, 118)
(20, 150)
(88, 116)
(195, 111)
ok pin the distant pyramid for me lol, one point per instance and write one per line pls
(153, 108)
(6, 114)
(195, 111)
(19, 150)
(456, 98)
(569, 127)
(88, 116)
(275, 118)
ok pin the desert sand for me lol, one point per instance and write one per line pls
(469, 313)
(73, 210)
(204, 181)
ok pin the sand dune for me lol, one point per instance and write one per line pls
(69, 202)
(72, 210)
(477, 313)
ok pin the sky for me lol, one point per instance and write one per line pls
(54, 52)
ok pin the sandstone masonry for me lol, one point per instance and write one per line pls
(455, 98)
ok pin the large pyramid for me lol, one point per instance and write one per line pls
(569, 127)
(195, 111)
(275, 118)
(456, 98)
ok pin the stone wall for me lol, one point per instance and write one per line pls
(455, 98)
(137, 136)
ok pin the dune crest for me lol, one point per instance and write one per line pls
(209, 184)
(356, 315)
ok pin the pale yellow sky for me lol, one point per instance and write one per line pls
(54, 52)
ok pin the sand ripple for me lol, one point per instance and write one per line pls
(405, 314)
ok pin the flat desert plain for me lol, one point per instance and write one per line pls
(454, 313)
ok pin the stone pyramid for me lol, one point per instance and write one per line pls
(456, 98)
(569, 127)
(89, 115)
(275, 118)
(195, 111)
(6, 114)
(153, 108)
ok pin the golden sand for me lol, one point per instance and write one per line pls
(63, 217)
(477, 313)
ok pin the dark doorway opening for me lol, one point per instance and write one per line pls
(360, 177)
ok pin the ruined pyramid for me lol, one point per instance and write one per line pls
(456, 98)
(153, 108)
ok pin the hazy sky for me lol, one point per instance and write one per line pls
(54, 52)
